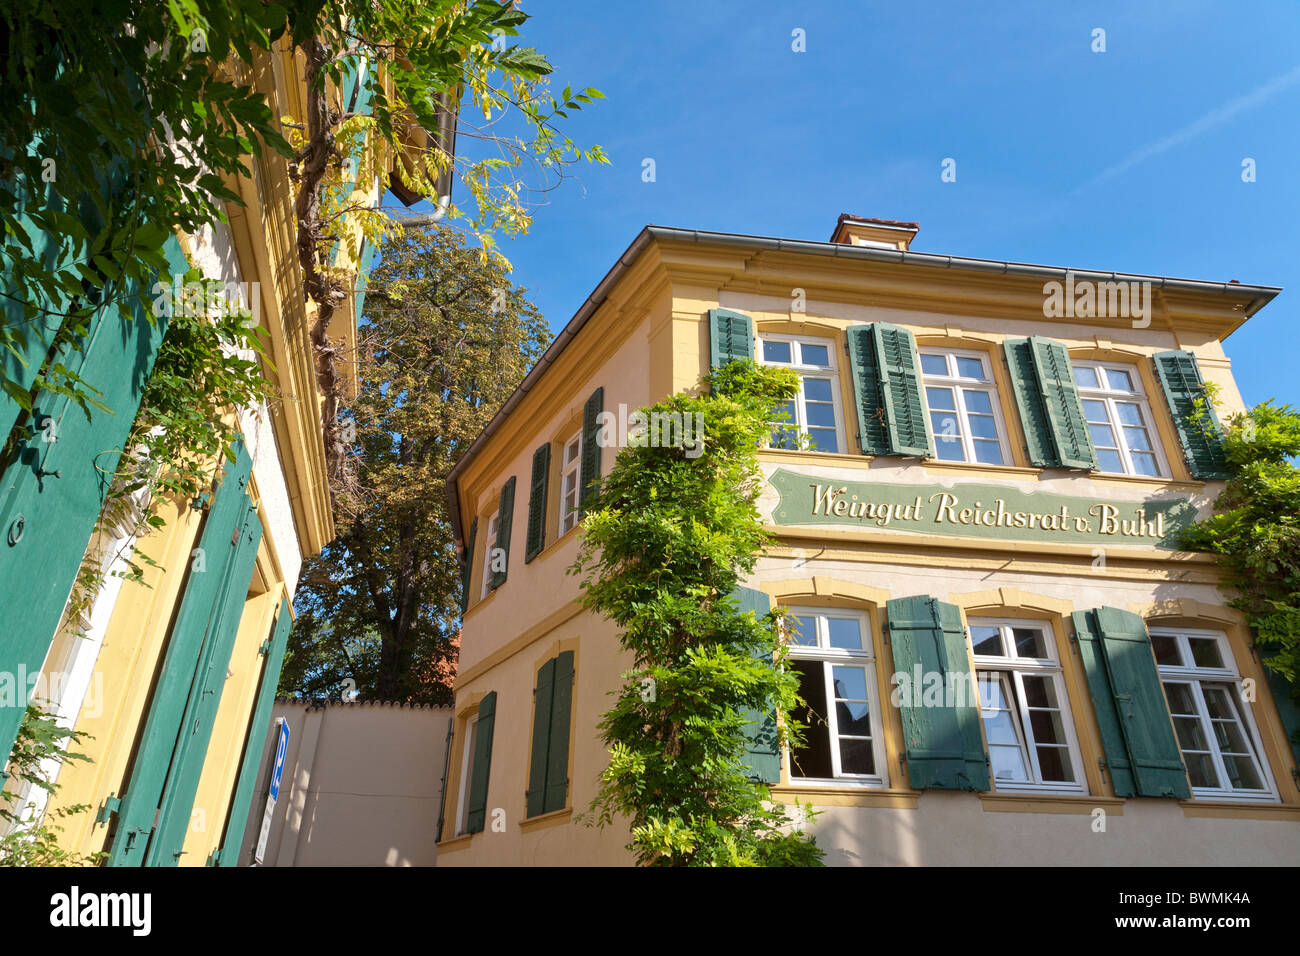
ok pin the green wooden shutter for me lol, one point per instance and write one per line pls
(873, 435)
(467, 568)
(900, 389)
(762, 751)
(537, 502)
(557, 748)
(177, 805)
(505, 517)
(1288, 708)
(478, 784)
(731, 337)
(446, 770)
(255, 738)
(1061, 403)
(543, 697)
(1180, 378)
(589, 469)
(1042, 381)
(52, 492)
(1088, 636)
(942, 743)
(1137, 699)
(178, 720)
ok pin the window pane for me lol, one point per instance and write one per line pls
(804, 631)
(1102, 436)
(986, 640)
(850, 683)
(1008, 764)
(1144, 463)
(845, 634)
(856, 756)
(1095, 411)
(934, 364)
(947, 447)
(1119, 380)
(776, 352)
(970, 367)
(821, 414)
(854, 718)
(1166, 649)
(1086, 377)
(983, 426)
(1128, 413)
(940, 399)
(1217, 700)
(1242, 774)
(1205, 652)
(1055, 765)
(785, 438)
(814, 355)
(988, 452)
(1228, 735)
(823, 439)
(1180, 699)
(1109, 460)
(1029, 642)
(978, 402)
(1200, 770)
(1039, 691)
(1046, 726)
(1137, 439)
(814, 758)
(1190, 734)
(817, 389)
(571, 451)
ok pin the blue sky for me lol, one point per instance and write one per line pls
(1128, 160)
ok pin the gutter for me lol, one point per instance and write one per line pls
(1260, 295)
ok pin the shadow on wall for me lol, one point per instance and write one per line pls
(360, 786)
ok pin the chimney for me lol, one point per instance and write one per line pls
(878, 233)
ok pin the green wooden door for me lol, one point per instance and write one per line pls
(52, 491)
(159, 794)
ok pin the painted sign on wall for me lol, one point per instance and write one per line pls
(979, 511)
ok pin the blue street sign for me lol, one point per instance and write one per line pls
(281, 748)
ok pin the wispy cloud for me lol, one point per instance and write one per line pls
(1215, 117)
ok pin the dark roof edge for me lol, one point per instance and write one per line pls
(1262, 295)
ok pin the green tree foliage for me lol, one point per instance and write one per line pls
(445, 339)
(666, 542)
(128, 119)
(89, 189)
(1255, 530)
(27, 840)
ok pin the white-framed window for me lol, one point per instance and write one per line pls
(570, 475)
(489, 546)
(466, 774)
(815, 411)
(1119, 419)
(831, 652)
(1215, 728)
(1024, 707)
(962, 401)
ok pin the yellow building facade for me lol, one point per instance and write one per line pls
(1003, 457)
